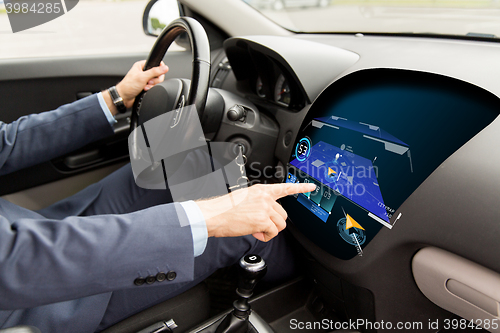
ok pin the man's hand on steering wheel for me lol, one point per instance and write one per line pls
(134, 82)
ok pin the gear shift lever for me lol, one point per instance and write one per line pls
(252, 269)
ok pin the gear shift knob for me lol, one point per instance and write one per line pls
(252, 270)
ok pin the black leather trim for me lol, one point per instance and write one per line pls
(200, 49)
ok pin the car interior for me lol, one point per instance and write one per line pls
(399, 132)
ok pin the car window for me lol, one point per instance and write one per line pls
(476, 18)
(92, 27)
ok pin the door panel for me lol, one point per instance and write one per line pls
(39, 197)
(36, 85)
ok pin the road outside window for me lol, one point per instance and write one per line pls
(477, 18)
(93, 27)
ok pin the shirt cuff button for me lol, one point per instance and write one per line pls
(160, 277)
(139, 281)
(171, 275)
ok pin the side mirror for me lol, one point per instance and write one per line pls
(158, 14)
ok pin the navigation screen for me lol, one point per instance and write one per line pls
(336, 170)
(346, 165)
(368, 142)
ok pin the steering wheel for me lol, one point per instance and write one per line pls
(172, 94)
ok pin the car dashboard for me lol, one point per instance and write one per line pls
(400, 135)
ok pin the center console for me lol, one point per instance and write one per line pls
(241, 319)
(367, 143)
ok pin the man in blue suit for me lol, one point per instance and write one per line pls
(114, 249)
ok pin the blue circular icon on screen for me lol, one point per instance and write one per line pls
(303, 149)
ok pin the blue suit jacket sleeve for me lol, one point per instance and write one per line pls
(41, 137)
(45, 260)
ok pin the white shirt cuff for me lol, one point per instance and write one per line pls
(105, 109)
(198, 226)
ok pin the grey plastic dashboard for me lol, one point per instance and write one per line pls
(455, 208)
(323, 58)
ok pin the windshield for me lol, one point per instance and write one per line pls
(478, 18)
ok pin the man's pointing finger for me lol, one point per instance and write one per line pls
(282, 190)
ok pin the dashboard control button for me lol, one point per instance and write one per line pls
(236, 112)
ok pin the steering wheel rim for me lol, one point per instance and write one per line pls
(200, 76)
